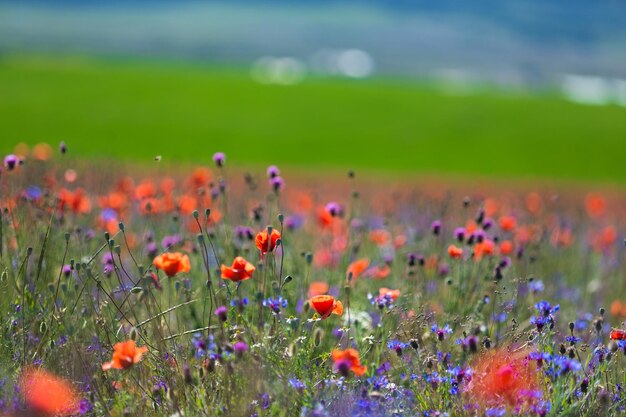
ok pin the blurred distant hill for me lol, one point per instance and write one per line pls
(504, 42)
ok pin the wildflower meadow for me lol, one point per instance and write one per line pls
(215, 289)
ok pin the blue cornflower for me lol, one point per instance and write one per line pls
(563, 365)
(536, 286)
(275, 304)
(540, 357)
(381, 301)
(572, 340)
(545, 316)
(297, 384)
(495, 412)
(441, 332)
(397, 346)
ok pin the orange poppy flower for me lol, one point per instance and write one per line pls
(470, 227)
(241, 270)
(356, 268)
(77, 201)
(399, 241)
(491, 206)
(595, 204)
(379, 272)
(324, 218)
(114, 200)
(187, 204)
(618, 309)
(147, 189)
(48, 395)
(394, 294)
(200, 178)
(501, 377)
(506, 248)
(483, 248)
(562, 237)
(534, 203)
(318, 288)
(507, 223)
(455, 252)
(125, 355)
(380, 237)
(325, 305)
(172, 263)
(266, 242)
(348, 360)
(604, 239)
(42, 151)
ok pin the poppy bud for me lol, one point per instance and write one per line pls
(187, 377)
(498, 274)
(571, 352)
(134, 334)
(603, 396)
(318, 335)
(584, 385)
(480, 216)
(598, 324)
(487, 343)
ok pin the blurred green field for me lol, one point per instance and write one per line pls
(185, 112)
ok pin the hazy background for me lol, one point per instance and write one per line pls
(523, 88)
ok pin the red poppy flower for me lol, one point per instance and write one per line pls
(172, 263)
(46, 394)
(241, 270)
(325, 305)
(267, 242)
(125, 355)
(348, 360)
(618, 334)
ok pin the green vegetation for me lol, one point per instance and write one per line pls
(129, 109)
